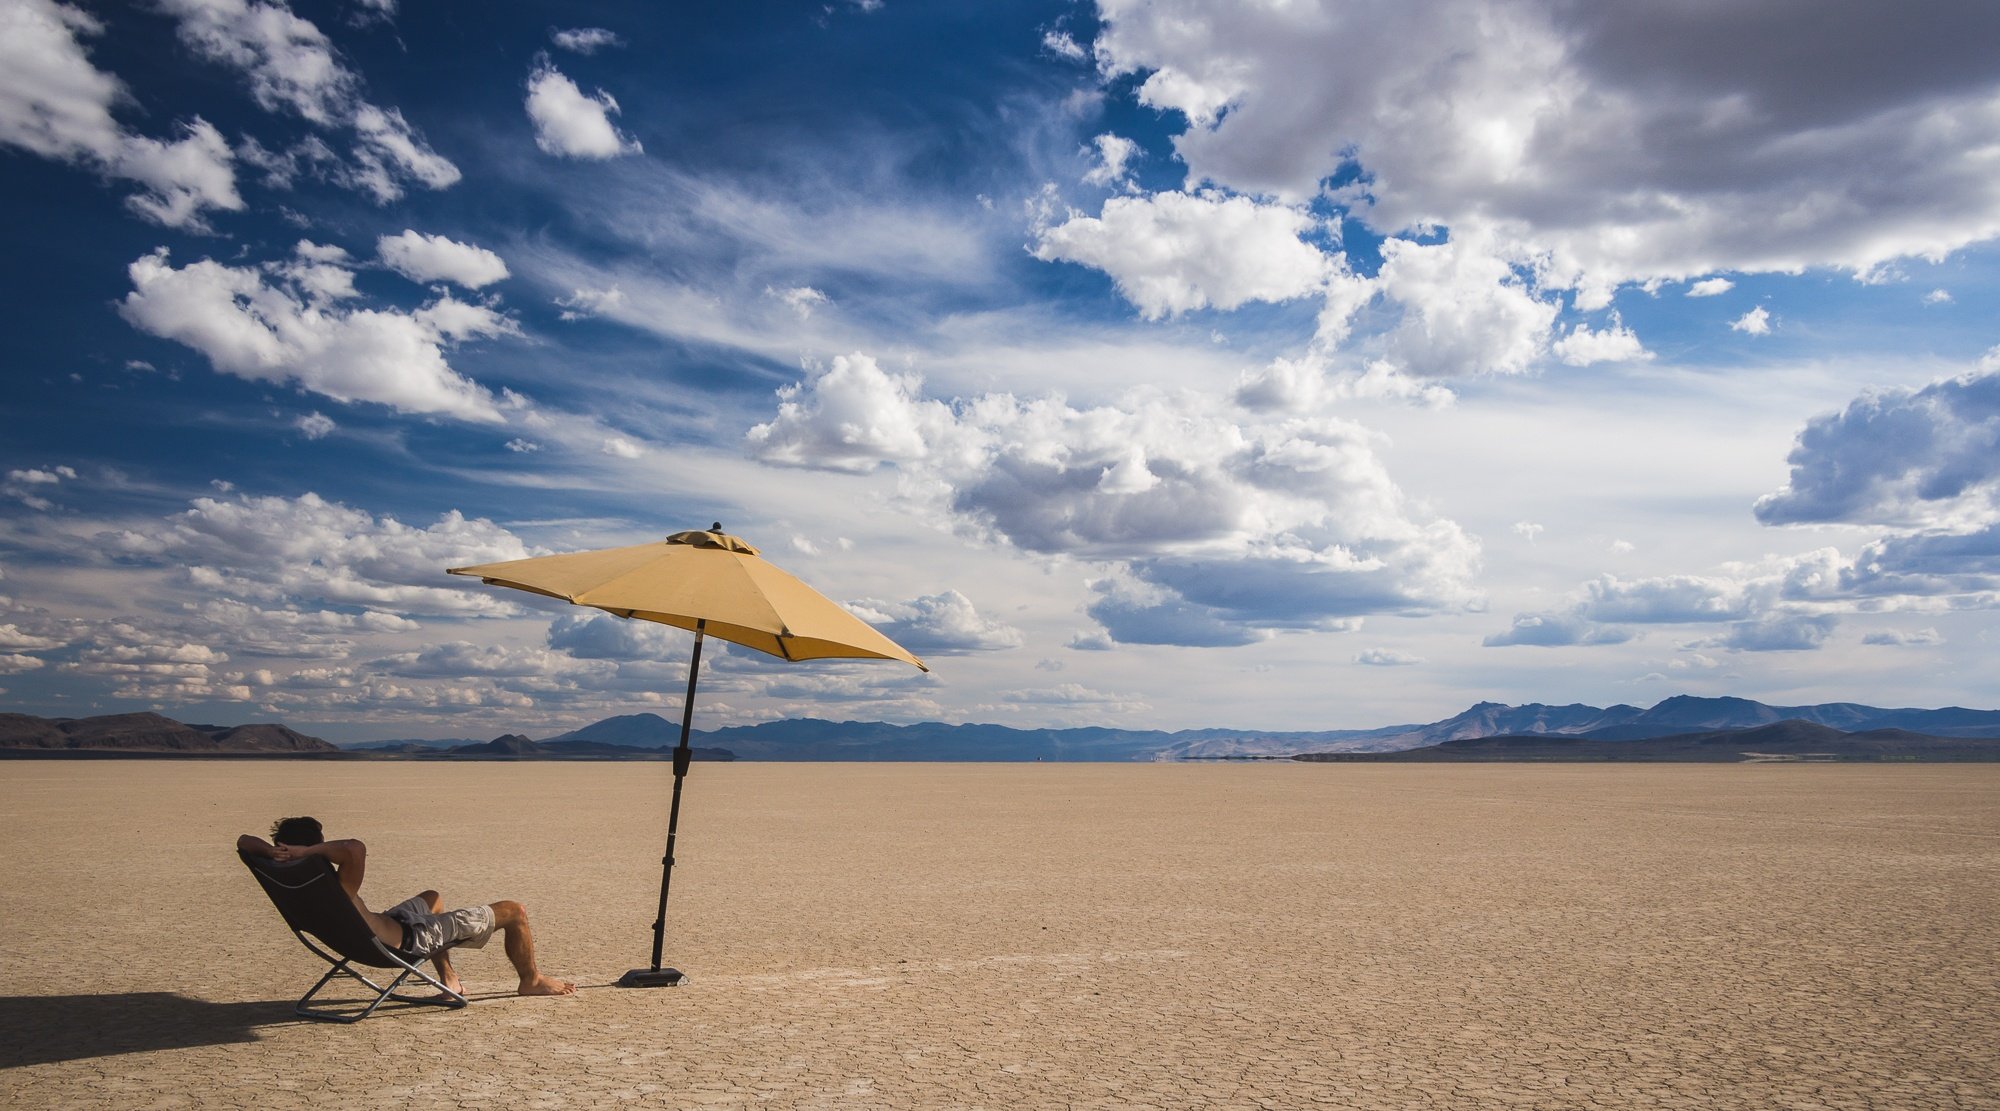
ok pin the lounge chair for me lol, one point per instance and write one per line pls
(308, 893)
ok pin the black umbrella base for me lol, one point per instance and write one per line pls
(652, 978)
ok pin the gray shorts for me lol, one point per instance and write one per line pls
(428, 933)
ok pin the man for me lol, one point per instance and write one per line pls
(416, 924)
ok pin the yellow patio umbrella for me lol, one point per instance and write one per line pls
(712, 584)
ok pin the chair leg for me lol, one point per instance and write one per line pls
(327, 1014)
(450, 998)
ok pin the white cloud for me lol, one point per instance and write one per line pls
(1756, 322)
(1615, 344)
(288, 61)
(1962, 567)
(801, 299)
(1137, 612)
(1777, 633)
(593, 635)
(1893, 638)
(1073, 694)
(523, 446)
(36, 476)
(1619, 143)
(182, 178)
(460, 660)
(850, 416)
(309, 550)
(13, 638)
(322, 252)
(1113, 153)
(1220, 533)
(586, 303)
(944, 624)
(307, 157)
(1062, 45)
(569, 124)
(620, 447)
(1601, 611)
(1556, 630)
(187, 619)
(14, 663)
(292, 68)
(431, 258)
(55, 104)
(388, 150)
(277, 324)
(1528, 530)
(585, 40)
(1710, 287)
(154, 666)
(1308, 385)
(1175, 252)
(1925, 458)
(1668, 598)
(1787, 603)
(1386, 657)
(1465, 312)
(1096, 640)
(279, 631)
(29, 485)
(315, 425)
(1938, 297)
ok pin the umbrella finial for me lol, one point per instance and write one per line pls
(716, 527)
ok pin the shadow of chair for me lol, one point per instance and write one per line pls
(42, 1029)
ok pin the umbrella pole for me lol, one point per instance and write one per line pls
(657, 977)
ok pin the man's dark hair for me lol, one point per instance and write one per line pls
(297, 831)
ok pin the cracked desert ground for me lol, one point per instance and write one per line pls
(1034, 935)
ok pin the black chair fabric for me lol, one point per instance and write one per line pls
(308, 893)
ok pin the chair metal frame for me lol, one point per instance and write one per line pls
(307, 908)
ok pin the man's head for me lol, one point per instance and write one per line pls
(297, 831)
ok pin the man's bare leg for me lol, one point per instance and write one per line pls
(513, 918)
(441, 959)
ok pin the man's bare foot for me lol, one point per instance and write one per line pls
(447, 974)
(546, 985)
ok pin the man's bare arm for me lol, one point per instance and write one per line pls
(349, 857)
(255, 846)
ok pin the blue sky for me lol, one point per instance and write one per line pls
(1174, 364)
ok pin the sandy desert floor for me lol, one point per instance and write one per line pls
(943, 936)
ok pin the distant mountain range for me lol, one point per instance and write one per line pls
(815, 739)
(148, 732)
(1790, 740)
(516, 746)
(1679, 715)
(1950, 733)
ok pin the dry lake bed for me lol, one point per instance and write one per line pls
(1034, 935)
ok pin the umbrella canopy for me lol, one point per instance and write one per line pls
(708, 578)
(712, 584)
